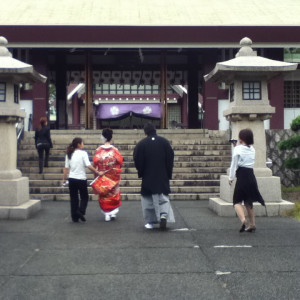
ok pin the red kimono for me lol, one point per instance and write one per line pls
(109, 160)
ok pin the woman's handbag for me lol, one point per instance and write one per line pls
(102, 185)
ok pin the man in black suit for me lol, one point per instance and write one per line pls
(154, 159)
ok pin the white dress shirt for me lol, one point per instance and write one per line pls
(243, 156)
(77, 164)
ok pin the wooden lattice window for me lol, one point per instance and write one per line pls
(291, 94)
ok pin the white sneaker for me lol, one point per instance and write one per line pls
(149, 226)
(107, 218)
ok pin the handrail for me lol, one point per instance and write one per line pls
(30, 122)
(20, 130)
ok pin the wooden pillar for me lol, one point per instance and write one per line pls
(88, 91)
(40, 91)
(276, 97)
(184, 110)
(75, 111)
(61, 92)
(210, 91)
(193, 95)
(163, 91)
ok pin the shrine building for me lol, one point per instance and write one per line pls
(120, 63)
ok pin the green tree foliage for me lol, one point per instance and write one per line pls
(295, 126)
(291, 143)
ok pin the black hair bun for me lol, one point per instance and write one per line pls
(107, 133)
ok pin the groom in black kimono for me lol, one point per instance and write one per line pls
(154, 158)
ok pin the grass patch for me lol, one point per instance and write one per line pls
(295, 212)
(291, 189)
(292, 194)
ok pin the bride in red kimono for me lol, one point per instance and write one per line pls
(108, 161)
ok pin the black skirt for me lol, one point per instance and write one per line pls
(246, 188)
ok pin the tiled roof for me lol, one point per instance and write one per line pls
(151, 12)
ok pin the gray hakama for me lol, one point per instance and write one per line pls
(154, 206)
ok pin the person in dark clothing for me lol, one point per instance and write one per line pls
(154, 158)
(43, 143)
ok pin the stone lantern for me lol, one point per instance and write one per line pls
(247, 76)
(14, 189)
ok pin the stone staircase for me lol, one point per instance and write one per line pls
(201, 156)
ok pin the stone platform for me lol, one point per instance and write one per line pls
(272, 209)
(269, 188)
(20, 212)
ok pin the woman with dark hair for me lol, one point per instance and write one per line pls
(109, 161)
(246, 190)
(43, 143)
(75, 163)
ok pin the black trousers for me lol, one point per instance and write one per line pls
(41, 151)
(75, 186)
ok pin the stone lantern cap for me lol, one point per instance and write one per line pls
(247, 61)
(11, 68)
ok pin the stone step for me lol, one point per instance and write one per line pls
(125, 197)
(60, 140)
(128, 190)
(176, 176)
(32, 154)
(132, 133)
(122, 137)
(129, 158)
(133, 139)
(92, 147)
(60, 164)
(128, 183)
(29, 170)
(201, 156)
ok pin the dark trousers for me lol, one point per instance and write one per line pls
(41, 151)
(75, 186)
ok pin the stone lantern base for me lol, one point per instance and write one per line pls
(269, 188)
(14, 199)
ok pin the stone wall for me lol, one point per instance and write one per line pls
(273, 137)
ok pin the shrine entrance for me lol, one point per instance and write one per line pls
(124, 88)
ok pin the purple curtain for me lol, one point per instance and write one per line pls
(113, 111)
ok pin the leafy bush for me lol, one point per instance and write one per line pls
(293, 163)
(295, 125)
(291, 143)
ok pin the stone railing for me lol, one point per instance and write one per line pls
(273, 137)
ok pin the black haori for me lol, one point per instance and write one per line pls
(246, 188)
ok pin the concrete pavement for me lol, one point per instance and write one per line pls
(201, 256)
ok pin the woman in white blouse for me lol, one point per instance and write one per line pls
(246, 190)
(76, 162)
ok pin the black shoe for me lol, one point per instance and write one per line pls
(81, 216)
(250, 229)
(163, 223)
(243, 227)
(75, 220)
